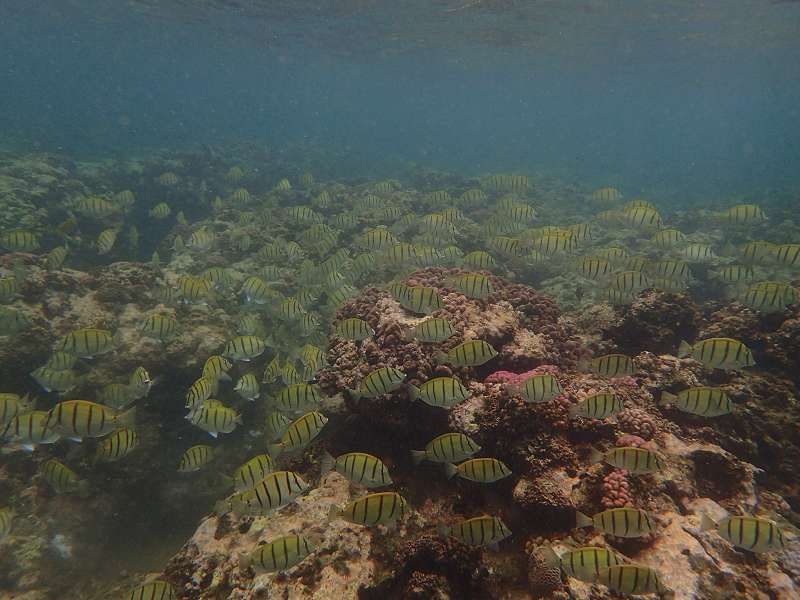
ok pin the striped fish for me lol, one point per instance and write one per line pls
(718, 353)
(195, 458)
(116, 395)
(743, 214)
(638, 203)
(478, 531)
(94, 206)
(55, 258)
(736, 273)
(106, 241)
(703, 401)
(161, 327)
(381, 381)
(593, 268)
(29, 429)
(300, 433)
(769, 296)
(631, 578)
(472, 353)
(290, 309)
(421, 299)
(139, 383)
(667, 238)
(63, 479)
(117, 445)
(582, 563)
(86, 343)
(154, 590)
(247, 476)
(244, 348)
(373, 509)
(643, 217)
(272, 493)
(612, 365)
(277, 555)
(247, 387)
(444, 392)
(353, 329)
(277, 424)
(674, 269)
(11, 405)
(78, 419)
(698, 252)
(6, 521)
(216, 368)
(255, 290)
(298, 397)
(621, 522)
(446, 448)
(479, 259)
(214, 419)
(378, 239)
(606, 195)
(194, 289)
(432, 331)
(755, 534)
(160, 211)
(787, 254)
(53, 380)
(597, 406)
(272, 371)
(200, 391)
(757, 251)
(630, 281)
(290, 375)
(19, 240)
(536, 388)
(472, 285)
(363, 469)
(481, 470)
(634, 460)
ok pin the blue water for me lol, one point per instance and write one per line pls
(661, 98)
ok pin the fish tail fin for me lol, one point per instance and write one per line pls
(222, 507)
(333, 513)
(573, 411)
(244, 561)
(326, 464)
(226, 479)
(443, 530)
(413, 391)
(440, 358)
(417, 456)
(354, 394)
(584, 364)
(684, 350)
(128, 418)
(582, 520)
(274, 450)
(449, 470)
(549, 556)
(512, 389)
(707, 523)
(667, 398)
(595, 456)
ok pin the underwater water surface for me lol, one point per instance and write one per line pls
(431, 299)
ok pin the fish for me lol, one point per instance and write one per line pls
(755, 534)
(480, 260)
(116, 395)
(220, 277)
(247, 476)
(703, 401)
(12, 321)
(6, 521)
(216, 368)
(478, 531)
(481, 470)
(9, 288)
(630, 578)
(583, 563)
(19, 240)
(200, 391)
(593, 268)
(117, 445)
(244, 348)
(195, 458)
(360, 468)
(299, 434)
(506, 182)
(373, 509)
(446, 448)
(421, 299)
(736, 273)
(290, 375)
(597, 406)
(606, 195)
(160, 327)
(472, 285)
(718, 353)
(106, 241)
(55, 258)
(168, 178)
(634, 460)
(160, 211)
(697, 252)
(272, 493)
(620, 522)
(52, 380)
(769, 296)
(298, 397)
(277, 423)
(742, 214)
(756, 251)
(256, 290)
(431, 331)
(202, 239)
(472, 353)
(312, 357)
(86, 343)
(787, 254)
(536, 388)
(272, 371)
(630, 281)
(61, 361)
(673, 269)
(381, 381)
(79, 419)
(247, 387)
(154, 590)
(643, 217)
(444, 392)
(612, 365)
(62, 479)
(95, 207)
(278, 555)
(290, 309)
(668, 238)
(12, 405)
(214, 419)
(29, 429)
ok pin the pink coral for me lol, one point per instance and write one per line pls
(509, 377)
(616, 490)
(638, 422)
